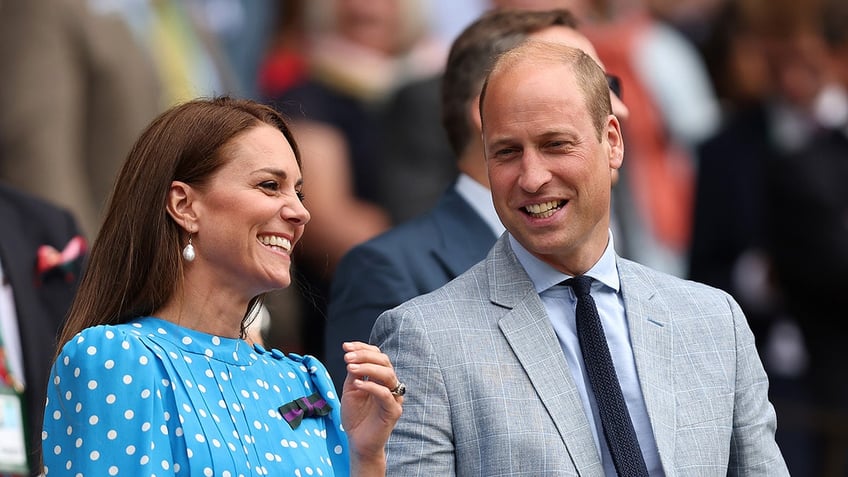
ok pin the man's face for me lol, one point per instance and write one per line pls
(549, 172)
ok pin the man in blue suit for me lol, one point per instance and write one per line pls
(426, 252)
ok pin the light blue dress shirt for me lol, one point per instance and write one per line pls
(479, 197)
(560, 303)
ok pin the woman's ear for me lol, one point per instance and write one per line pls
(180, 205)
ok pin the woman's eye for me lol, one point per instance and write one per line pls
(270, 185)
(300, 195)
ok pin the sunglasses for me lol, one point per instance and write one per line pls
(614, 83)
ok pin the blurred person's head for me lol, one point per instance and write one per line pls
(221, 173)
(793, 48)
(471, 57)
(390, 27)
(551, 146)
(834, 21)
(582, 9)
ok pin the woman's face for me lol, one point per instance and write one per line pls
(250, 215)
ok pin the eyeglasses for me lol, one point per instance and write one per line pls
(614, 83)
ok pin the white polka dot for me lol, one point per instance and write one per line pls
(145, 427)
(144, 460)
(129, 414)
(145, 394)
(161, 331)
(200, 438)
(208, 353)
(163, 429)
(110, 399)
(92, 385)
(109, 364)
(109, 334)
(125, 345)
(113, 470)
(57, 450)
(57, 415)
(130, 450)
(207, 472)
(143, 360)
(112, 434)
(94, 455)
(216, 340)
(68, 395)
(91, 350)
(93, 420)
(337, 450)
(165, 465)
(127, 379)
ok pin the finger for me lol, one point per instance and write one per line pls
(378, 373)
(379, 391)
(357, 345)
(367, 354)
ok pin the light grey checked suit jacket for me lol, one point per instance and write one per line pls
(490, 393)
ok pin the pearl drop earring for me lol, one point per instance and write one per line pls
(188, 251)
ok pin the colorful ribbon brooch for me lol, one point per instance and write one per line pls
(309, 406)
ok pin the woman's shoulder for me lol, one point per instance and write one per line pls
(109, 344)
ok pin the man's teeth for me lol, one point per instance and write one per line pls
(274, 241)
(543, 210)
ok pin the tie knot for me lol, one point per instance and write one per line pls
(581, 284)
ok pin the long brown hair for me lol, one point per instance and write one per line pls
(134, 266)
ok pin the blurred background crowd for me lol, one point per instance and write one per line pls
(736, 146)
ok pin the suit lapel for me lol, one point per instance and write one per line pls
(529, 332)
(465, 238)
(651, 335)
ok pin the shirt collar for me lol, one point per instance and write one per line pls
(544, 276)
(480, 199)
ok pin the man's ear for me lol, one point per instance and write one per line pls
(615, 142)
(180, 205)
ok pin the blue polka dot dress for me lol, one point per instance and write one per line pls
(150, 398)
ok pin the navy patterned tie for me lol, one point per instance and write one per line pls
(615, 420)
